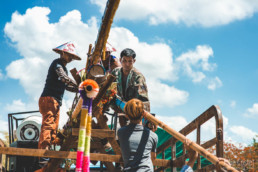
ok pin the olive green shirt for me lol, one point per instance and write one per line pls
(135, 86)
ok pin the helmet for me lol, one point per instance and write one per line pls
(68, 48)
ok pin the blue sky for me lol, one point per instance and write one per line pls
(193, 55)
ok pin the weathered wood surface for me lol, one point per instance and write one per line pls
(212, 158)
(100, 133)
(70, 155)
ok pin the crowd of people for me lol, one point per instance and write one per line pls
(138, 143)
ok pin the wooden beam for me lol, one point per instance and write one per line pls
(205, 116)
(71, 155)
(209, 143)
(93, 145)
(100, 133)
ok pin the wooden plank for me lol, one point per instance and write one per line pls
(71, 155)
(162, 163)
(93, 145)
(209, 143)
(76, 77)
(100, 133)
(57, 154)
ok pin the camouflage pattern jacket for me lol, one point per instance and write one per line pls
(135, 86)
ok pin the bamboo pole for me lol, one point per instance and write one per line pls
(192, 145)
(104, 30)
(88, 57)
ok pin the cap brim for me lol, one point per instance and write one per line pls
(72, 55)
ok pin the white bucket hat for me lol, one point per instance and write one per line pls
(68, 48)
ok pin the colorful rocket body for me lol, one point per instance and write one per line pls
(88, 90)
(86, 156)
(81, 139)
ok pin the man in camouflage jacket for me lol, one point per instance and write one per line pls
(130, 82)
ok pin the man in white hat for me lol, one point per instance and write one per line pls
(111, 61)
(51, 98)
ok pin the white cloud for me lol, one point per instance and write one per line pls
(197, 12)
(165, 95)
(198, 58)
(29, 72)
(34, 37)
(1, 75)
(170, 121)
(242, 134)
(214, 83)
(252, 112)
(233, 104)
(16, 106)
(195, 63)
(20, 106)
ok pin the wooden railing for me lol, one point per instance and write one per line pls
(212, 112)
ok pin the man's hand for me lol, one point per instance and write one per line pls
(220, 168)
(192, 153)
(152, 126)
(224, 160)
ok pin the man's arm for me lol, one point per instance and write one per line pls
(154, 147)
(70, 84)
(142, 92)
(193, 155)
(153, 156)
